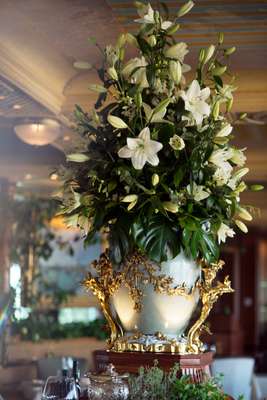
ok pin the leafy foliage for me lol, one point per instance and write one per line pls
(158, 172)
(40, 326)
(154, 384)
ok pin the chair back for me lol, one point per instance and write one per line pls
(51, 366)
(260, 386)
(237, 375)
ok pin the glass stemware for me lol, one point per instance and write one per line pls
(60, 388)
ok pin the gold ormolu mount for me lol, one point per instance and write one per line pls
(209, 294)
(107, 282)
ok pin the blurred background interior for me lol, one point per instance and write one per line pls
(44, 312)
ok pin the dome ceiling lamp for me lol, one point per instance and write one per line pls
(38, 133)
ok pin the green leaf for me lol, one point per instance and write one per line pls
(186, 236)
(161, 106)
(119, 239)
(211, 244)
(178, 176)
(156, 237)
(194, 244)
(189, 223)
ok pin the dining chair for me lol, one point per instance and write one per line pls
(260, 387)
(237, 375)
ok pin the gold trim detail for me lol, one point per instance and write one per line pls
(137, 270)
(165, 346)
(103, 287)
(209, 294)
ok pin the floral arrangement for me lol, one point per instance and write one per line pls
(159, 173)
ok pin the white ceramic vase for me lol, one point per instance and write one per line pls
(167, 314)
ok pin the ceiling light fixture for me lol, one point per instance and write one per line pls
(28, 177)
(39, 133)
(17, 107)
(54, 177)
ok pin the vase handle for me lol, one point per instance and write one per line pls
(209, 294)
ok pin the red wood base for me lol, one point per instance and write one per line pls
(195, 365)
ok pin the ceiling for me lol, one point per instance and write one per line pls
(40, 41)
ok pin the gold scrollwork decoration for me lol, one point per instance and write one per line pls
(137, 271)
(103, 287)
(209, 294)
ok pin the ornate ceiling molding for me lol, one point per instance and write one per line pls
(15, 71)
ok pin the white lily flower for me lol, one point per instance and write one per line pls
(226, 92)
(112, 55)
(224, 131)
(236, 177)
(147, 14)
(197, 191)
(223, 232)
(238, 157)
(176, 142)
(220, 156)
(139, 76)
(194, 99)
(166, 25)
(178, 51)
(222, 174)
(141, 150)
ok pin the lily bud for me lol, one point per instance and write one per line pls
(224, 131)
(95, 117)
(241, 226)
(218, 71)
(131, 39)
(131, 205)
(241, 187)
(138, 99)
(230, 51)
(121, 53)
(151, 40)
(172, 29)
(82, 65)
(201, 55)
(209, 53)
(130, 198)
(229, 104)
(113, 73)
(175, 71)
(243, 116)
(216, 110)
(77, 157)
(241, 172)
(220, 38)
(170, 206)
(244, 214)
(185, 8)
(117, 122)
(121, 40)
(155, 179)
(220, 140)
(97, 88)
(256, 188)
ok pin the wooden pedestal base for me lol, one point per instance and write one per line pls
(195, 365)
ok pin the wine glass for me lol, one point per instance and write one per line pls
(57, 388)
